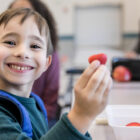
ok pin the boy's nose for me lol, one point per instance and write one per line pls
(22, 52)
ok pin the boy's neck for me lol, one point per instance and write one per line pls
(22, 91)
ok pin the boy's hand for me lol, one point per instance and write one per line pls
(91, 94)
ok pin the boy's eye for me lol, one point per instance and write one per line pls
(12, 43)
(35, 46)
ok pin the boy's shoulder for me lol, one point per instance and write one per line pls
(16, 110)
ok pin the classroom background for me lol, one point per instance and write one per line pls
(91, 26)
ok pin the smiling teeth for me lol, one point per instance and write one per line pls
(19, 68)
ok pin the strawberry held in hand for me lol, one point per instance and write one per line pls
(101, 57)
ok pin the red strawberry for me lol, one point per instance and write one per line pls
(133, 124)
(101, 57)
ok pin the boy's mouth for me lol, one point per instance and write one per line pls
(19, 67)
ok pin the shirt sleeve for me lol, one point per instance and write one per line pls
(10, 129)
(64, 130)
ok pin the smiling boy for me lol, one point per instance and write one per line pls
(23, 51)
(24, 56)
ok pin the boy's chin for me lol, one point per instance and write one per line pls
(20, 83)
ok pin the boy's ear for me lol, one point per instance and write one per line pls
(48, 62)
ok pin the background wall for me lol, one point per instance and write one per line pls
(64, 12)
(131, 15)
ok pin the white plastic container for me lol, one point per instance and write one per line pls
(119, 116)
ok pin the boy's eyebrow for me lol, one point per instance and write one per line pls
(37, 38)
(10, 34)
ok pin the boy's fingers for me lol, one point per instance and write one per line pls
(103, 85)
(86, 75)
(96, 79)
(105, 95)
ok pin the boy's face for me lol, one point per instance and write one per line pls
(22, 52)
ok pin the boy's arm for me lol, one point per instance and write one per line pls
(64, 130)
(91, 94)
(10, 129)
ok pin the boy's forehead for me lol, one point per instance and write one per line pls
(15, 23)
(23, 15)
(27, 28)
(17, 20)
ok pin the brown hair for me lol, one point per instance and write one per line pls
(6, 16)
(44, 11)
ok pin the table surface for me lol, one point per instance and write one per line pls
(122, 93)
(101, 132)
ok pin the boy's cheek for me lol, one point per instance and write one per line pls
(44, 64)
(3, 52)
